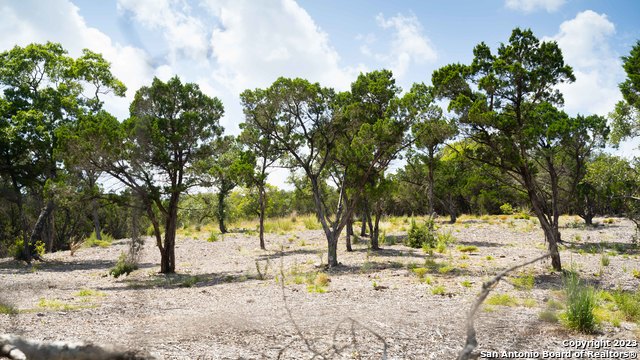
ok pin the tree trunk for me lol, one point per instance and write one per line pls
(375, 234)
(262, 212)
(332, 259)
(553, 238)
(363, 226)
(36, 233)
(349, 233)
(431, 180)
(96, 219)
(221, 214)
(168, 258)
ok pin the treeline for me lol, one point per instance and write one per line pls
(503, 144)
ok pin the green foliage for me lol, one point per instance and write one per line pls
(629, 304)
(502, 300)
(580, 304)
(311, 223)
(213, 237)
(89, 293)
(422, 235)
(124, 266)
(523, 282)
(92, 241)
(439, 290)
(7, 309)
(506, 209)
(467, 248)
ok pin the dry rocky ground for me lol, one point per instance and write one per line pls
(218, 307)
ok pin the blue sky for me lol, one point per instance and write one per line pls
(227, 46)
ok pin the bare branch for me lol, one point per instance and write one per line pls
(472, 342)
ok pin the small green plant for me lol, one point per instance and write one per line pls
(629, 304)
(7, 309)
(506, 209)
(89, 292)
(548, 316)
(524, 282)
(438, 290)
(502, 300)
(489, 257)
(420, 272)
(466, 283)
(581, 303)
(123, 267)
(55, 305)
(522, 215)
(467, 248)
(529, 302)
(604, 260)
(636, 273)
(213, 237)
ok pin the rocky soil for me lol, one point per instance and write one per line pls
(219, 306)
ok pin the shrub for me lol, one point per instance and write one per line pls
(420, 272)
(467, 248)
(502, 299)
(438, 290)
(123, 267)
(421, 235)
(581, 302)
(506, 209)
(16, 249)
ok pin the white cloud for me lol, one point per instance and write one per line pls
(529, 6)
(408, 45)
(584, 41)
(59, 21)
(256, 42)
(186, 35)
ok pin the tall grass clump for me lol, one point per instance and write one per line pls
(581, 303)
(311, 222)
(278, 225)
(92, 241)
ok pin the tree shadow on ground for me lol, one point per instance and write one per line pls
(388, 252)
(285, 253)
(177, 280)
(619, 248)
(20, 267)
(479, 243)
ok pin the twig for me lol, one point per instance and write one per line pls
(472, 342)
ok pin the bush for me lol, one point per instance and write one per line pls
(581, 302)
(16, 250)
(123, 267)
(506, 209)
(422, 235)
